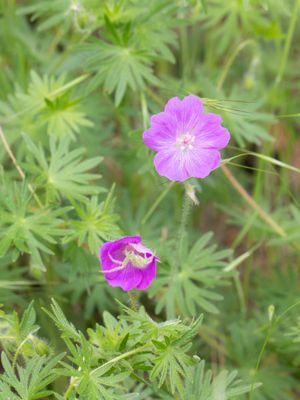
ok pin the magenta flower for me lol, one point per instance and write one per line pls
(127, 263)
(187, 140)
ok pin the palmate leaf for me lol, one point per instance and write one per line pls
(55, 12)
(117, 67)
(205, 386)
(18, 335)
(93, 382)
(67, 329)
(93, 293)
(31, 381)
(247, 123)
(26, 229)
(62, 14)
(295, 332)
(154, 29)
(172, 363)
(64, 173)
(152, 329)
(235, 16)
(96, 223)
(191, 286)
(100, 385)
(47, 102)
(62, 117)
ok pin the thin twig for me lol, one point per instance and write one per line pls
(264, 216)
(157, 202)
(18, 168)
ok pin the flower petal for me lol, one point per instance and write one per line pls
(186, 112)
(158, 138)
(112, 249)
(148, 275)
(173, 105)
(192, 102)
(170, 163)
(129, 278)
(201, 162)
(209, 132)
(140, 248)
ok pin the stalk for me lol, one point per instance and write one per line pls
(186, 208)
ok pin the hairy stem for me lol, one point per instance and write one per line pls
(186, 208)
(134, 302)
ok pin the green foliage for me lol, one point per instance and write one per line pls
(65, 173)
(205, 386)
(47, 103)
(96, 223)
(191, 287)
(115, 356)
(31, 380)
(25, 228)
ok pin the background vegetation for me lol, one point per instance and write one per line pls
(79, 80)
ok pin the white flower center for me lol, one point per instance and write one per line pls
(185, 141)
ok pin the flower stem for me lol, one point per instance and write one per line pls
(156, 203)
(17, 166)
(186, 208)
(288, 41)
(134, 302)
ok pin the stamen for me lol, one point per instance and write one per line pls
(185, 141)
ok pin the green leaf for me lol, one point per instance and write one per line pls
(64, 173)
(31, 380)
(117, 68)
(191, 286)
(96, 223)
(25, 228)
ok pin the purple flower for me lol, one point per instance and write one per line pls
(187, 140)
(127, 263)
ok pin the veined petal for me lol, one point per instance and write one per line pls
(181, 135)
(210, 134)
(201, 162)
(158, 139)
(148, 275)
(129, 278)
(186, 112)
(118, 256)
(170, 163)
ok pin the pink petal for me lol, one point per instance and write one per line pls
(200, 162)
(209, 132)
(190, 104)
(186, 112)
(129, 278)
(159, 138)
(173, 105)
(140, 248)
(193, 103)
(114, 249)
(170, 163)
(148, 275)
